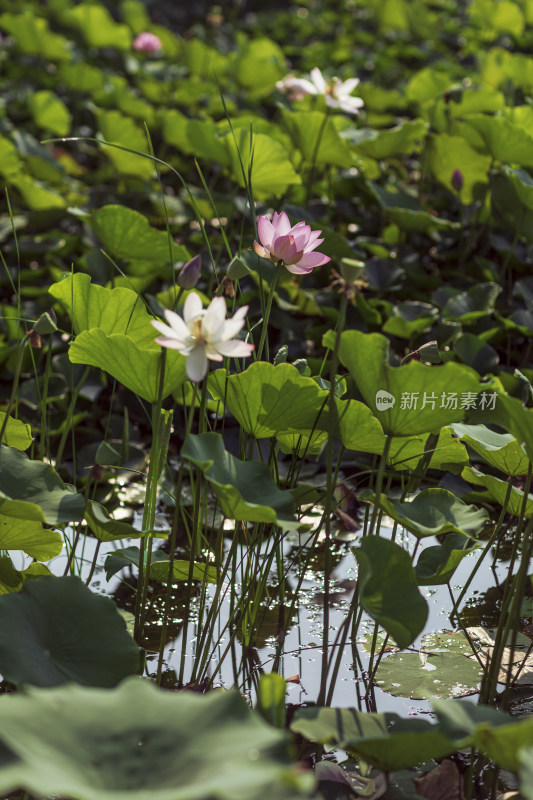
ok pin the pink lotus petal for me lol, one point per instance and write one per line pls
(284, 247)
(297, 270)
(261, 250)
(281, 224)
(313, 260)
(265, 231)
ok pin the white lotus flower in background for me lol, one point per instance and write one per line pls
(338, 93)
(203, 334)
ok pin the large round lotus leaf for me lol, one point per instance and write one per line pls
(140, 743)
(441, 675)
(56, 630)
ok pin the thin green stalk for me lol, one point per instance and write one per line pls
(266, 316)
(14, 388)
(154, 470)
(314, 156)
(379, 484)
(486, 549)
(332, 425)
(194, 534)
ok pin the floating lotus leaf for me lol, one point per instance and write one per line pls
(416, 675)
(139, 742)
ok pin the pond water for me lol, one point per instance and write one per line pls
(300, 656)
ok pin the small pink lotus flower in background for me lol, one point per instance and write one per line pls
(203, 333)
(293, 246)
(147, 42)
(338, 93)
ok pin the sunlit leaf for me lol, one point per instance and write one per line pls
(433, 512)
(245, 489)
(412, 399)
(50, 113)
(416, 675)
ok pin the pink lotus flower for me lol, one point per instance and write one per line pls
(147, 42)
(291, 246)
(203, 334)
(338, 94)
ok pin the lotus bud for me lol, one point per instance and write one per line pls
(189, 275)
(457, 180)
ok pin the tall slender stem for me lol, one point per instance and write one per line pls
(266, 318)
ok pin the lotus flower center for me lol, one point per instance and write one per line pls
(195, 331)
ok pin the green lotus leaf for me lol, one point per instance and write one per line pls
(116, 310)
(97, 26)
(501, 450)
(386, 741)
(497, 490)
(412, 399)
(432, 512)
(12, 580)
(416, 676)
(159, 566)
(17, 433)
(487, 729)
(503, 139)
(33, 490)
(397, 141)
(269, 400)
(135, 367)
(511, 414)
(50, 113)
(308, 129)
(117, 128)
(406, 451)
(447, 153)
(105, 528)
(33, 36)
(29, 536)
(272, 171)
(141, 743)
(437, 564)
(126, 233)
(56, 630)
(245, 489)
(388, 589)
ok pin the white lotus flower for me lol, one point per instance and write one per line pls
(338, 93)
(203, 334)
